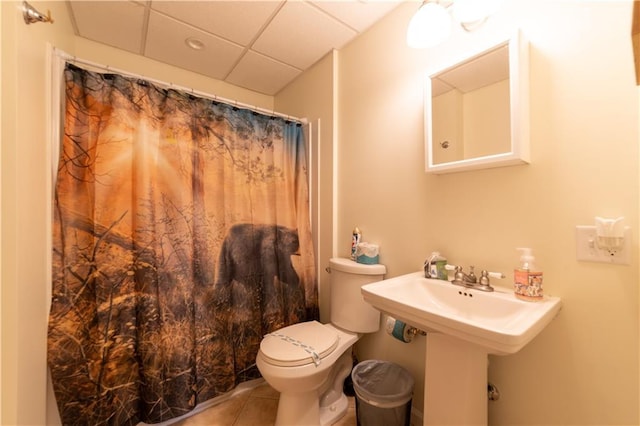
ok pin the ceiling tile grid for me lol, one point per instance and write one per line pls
(166, 43)
(300, 34)
(262, 73)
(222, 18)
(119, 26)
(261, 45)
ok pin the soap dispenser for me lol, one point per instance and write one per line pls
(527, 278)
(435, 267)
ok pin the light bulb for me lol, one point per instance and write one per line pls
(431, 25)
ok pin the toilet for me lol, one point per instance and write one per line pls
(308, 362)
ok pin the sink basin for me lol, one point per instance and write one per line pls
(497, 321)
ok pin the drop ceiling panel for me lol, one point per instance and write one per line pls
(166, 43)
(438, 87)
(280, 38)
(237, 21)
(482, 71)
(359, 15)
(116, 23)
(261, 73)
(300, 34)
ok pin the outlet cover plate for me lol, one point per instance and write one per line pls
(588, 251)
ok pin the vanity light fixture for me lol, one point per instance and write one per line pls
(431, 24)
(194, 43)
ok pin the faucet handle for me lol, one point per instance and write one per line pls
(458, 275)
(484, 284)
(498, 275)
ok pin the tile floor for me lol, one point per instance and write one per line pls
(255, 407)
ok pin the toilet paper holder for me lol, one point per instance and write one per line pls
(402, 331)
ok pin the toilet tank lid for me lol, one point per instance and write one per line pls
(347, 265)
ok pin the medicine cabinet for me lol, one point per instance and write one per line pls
(477, 110)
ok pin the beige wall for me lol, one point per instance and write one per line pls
(486, 120)
(448, 127)
(475, 124)
(25, 224)
(583, 369)
(584, 117)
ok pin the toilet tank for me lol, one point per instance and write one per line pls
(349, 311)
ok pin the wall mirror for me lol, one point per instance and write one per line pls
(477, 110)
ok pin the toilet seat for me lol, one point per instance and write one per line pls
(299, 344)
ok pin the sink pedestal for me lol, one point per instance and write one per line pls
(463, 326)
(455, 382)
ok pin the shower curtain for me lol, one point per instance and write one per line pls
(181, 236)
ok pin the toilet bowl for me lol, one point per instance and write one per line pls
(308, 362)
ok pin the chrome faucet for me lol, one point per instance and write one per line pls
(470, 280)
(467, 280)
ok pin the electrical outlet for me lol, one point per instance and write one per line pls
(587, 248)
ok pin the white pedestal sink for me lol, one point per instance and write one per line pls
(463, 326)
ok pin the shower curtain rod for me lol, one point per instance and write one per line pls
(70, 58)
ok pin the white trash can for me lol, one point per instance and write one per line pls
(383, 393)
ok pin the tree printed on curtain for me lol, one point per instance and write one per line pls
(181, 236)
